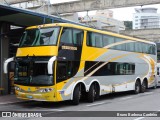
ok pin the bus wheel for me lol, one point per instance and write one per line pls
(97, 91)
(155, 86)
(91, 94)
(143, 86)
(155, 83)
(137, 87)
(76, 95)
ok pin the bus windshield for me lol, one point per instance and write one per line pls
(40, 37)
(32, 73)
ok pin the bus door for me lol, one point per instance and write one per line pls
(70, 46)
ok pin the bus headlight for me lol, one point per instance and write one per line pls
(45, 90)
(17, 88)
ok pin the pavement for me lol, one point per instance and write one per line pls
(9, 99)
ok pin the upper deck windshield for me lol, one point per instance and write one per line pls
(40, 37)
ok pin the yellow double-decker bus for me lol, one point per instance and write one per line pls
(61, 61)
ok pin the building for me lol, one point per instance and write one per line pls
(146, 18)
(103, 19)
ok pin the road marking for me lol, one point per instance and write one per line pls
(95, 104)
(50, 112)
(48, 109)
(140, 118)
(147, 93)
(125, 98)
(3, 103)
(55, 110)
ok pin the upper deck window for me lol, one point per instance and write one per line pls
(40, 37)
(94, 40)
(72, 37)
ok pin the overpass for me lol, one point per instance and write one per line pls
(148, 34)
(13, 1)
(87, 5)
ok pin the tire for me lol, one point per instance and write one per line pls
(91, 94)
(143, 86)
(97, 92)
(155, 84)
(76, 95)
(137, 87)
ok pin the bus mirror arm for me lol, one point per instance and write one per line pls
(50, 65)
(6, 64)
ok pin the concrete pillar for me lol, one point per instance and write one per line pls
(4, 52)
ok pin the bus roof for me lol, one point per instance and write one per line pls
(90, 29)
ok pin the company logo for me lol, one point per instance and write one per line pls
(69, 48)
(6, 114)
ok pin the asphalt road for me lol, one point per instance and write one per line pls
(120, 104)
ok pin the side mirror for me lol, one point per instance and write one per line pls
(6, 64)
(50, 65)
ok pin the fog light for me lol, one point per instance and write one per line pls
(17, 88)
(44, 90)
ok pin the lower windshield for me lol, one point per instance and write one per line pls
(32, 73)
(40, 37)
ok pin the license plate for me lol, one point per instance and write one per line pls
(29, 96)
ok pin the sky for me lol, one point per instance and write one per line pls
(122, 14)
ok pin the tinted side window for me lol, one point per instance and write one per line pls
(138, 47)
(107, 40)
(154, 49)
(145, 48)
(66, 36)
(130, 46)
(72, 36)
(77, 37)
(98, 39)
(111, 68)
(90, 40)
(119, 46)
(66, 70)
(94, 39)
